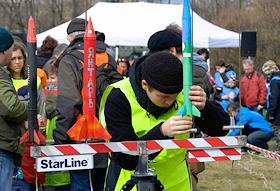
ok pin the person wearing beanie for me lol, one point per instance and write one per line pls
(69, 106)
(76, 27)
(13, 113)
(6, 40)
(165, 40)
(273, 98)
(144, 106)
(269, 67)
(170, 40)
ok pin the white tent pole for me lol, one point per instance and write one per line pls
(208, 61)
(116, 53)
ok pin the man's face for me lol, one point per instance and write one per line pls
(248, 68)
(70, 38)
(158, 98)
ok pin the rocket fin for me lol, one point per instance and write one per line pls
(195, 111)
(88, 128)
(38, 137)
(183, 110)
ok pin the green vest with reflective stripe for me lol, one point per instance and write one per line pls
(55, 178)
(170, 165)
(18, 83)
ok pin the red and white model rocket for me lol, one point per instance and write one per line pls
(87, 125)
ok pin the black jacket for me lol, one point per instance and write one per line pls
(69, 99)
(42, 58)
(118, 119)
(274, 99)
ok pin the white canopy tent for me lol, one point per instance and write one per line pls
(131, 24)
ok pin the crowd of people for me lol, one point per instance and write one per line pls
(142, 104)
(258, 102)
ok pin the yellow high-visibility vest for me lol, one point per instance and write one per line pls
(170, 165)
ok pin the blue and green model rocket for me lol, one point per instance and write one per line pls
(187, 109)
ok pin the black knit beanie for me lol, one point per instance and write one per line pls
(163, 40)
(76, 24)
(6, 40)
(163, 71)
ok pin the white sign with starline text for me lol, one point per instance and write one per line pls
(63, 163)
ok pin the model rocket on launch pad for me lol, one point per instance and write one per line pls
(87, 126)
(187, 109)
(33, 134)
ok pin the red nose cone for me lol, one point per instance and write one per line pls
(31, 31)
(90, 30)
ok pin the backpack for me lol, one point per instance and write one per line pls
(106, 73)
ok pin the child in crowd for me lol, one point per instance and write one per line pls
(58, 181)
(230, 91)
(257, 129)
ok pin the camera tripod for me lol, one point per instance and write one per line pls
(143, 178)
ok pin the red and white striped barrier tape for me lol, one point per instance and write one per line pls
(265, 153)
(211, 155)
(221, 144)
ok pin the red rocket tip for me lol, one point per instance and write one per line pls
(31, 31)
(90, 30)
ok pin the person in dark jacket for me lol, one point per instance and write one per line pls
(57, 52)
(170, 40)
(69, 106)
(102, 47)
(200, 74)
(12, 113)
(273, 98)
(156, 82)
(46, 50)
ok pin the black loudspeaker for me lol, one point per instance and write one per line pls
(248, 43)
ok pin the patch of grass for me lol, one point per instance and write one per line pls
(251, 173)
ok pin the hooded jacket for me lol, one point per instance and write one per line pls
(251, 120)
(200, 76)
(69, 99)
(118, 120)
(274, 98)
(12, 113)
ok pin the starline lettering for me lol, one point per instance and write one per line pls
(66, 163)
